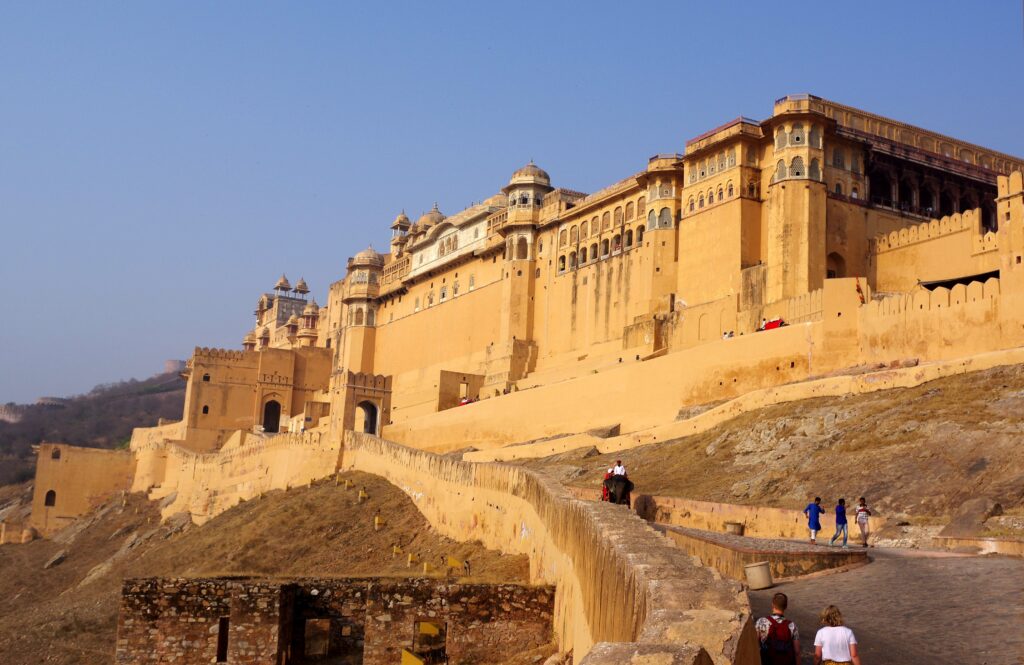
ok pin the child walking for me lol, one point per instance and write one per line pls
(863, 513)
(813, 513)
(841, 525)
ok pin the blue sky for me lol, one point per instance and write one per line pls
(161, 164)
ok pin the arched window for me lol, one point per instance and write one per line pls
(796, 167)
(641, 206)
(839, 188)
(561, 263)
(730, 192)
(616, 242)
(691, 204)
(359, 317)
(838, 158)
(780, 138)
(711, 166)
(629, 237)
(572, 260)
(815, 137)
(721, 161)
(732, 156)
(574, 235)
(430, 299)
(583, 230)
(522, 249)
(472, 282)
(206, 377)
(721, 194)
(751, 189)
(700, 201)
(55, 454)
(605, 246)
(50, 499)
(417, 306)
(593, 252)
(652, 221)
(606, 221)
(562, 238)
(814, 172)
(595, 225)
(583, 255)
(780, 171)
(665, 218)
(796, 137)
(618, 216)
(629, 211)
(206, 409)
(371, 317)
(854, 193)
(640, 234)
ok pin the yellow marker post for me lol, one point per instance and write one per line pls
(363, 495)
(378, 522)
(426, 568)
(396, 550)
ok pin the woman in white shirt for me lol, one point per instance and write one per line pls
(834, 643)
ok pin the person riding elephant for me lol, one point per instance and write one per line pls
(619, 488)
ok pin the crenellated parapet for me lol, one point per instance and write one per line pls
(923, 301)
(969, 221)
(204, 353)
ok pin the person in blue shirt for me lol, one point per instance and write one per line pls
(841, 526)
(813, 513)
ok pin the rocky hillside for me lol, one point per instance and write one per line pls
(915, 453)
(102, 418)
(61, 596)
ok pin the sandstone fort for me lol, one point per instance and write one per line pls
(824, 250)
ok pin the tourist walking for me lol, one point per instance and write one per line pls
(780, 640)
(863, 513)
(842, 527)
(834, 643)
(813, 513)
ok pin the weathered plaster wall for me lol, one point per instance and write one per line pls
(75, 480)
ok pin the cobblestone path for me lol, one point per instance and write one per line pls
(917, 608)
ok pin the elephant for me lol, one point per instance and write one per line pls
(619, 488)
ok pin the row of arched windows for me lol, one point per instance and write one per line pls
(443, 294)
(716, 164)
(358, 316)
(663, 220)
(602, 222)
(606, 248)
(854, 192)
(447, 244)
(797, 136)
(796, 169)
(839, 160)
(728, 191)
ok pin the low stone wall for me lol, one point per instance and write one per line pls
(729, 555)
(1007, 546)
(255, 622)
(617, 579)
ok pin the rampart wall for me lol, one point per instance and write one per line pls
(663, 601)
(946, 248)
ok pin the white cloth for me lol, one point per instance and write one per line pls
(619, 470)
(835, 643)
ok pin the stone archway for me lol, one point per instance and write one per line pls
(835, 266)
(367, 418)
(272, 416)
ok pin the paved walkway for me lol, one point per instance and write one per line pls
(917, 608)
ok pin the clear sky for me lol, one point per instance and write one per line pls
(161, 164)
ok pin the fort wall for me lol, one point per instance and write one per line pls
(947, 248)
(591, 551)
(70, 481)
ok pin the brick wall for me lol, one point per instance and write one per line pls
(369, 621)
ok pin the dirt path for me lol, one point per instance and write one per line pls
(917, 608)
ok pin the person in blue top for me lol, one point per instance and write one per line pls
(813, 513)
(841, 526)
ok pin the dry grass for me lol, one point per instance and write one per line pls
(916, 453)
(52, 616)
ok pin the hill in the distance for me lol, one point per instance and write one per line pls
(102, 418)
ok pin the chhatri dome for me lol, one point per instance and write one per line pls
(283, 284)
(531, 174)
(401, 221)
(368, 256)
(311, 309)
(301, 287)
(432, 218)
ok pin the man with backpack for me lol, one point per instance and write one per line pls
(780, 641)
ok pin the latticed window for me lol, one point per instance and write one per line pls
(838, 158)
(780, 171)
(796, 167)
(814, 172)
